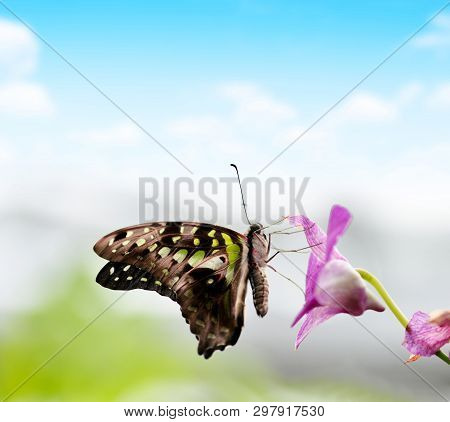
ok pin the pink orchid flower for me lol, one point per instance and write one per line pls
(332, 285)
(426, 334)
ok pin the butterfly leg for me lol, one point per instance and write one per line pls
(287, 278)
(272, 257)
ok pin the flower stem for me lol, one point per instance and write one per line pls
(443, 356)
(392, 305)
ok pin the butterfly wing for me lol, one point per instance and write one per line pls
(202, 267)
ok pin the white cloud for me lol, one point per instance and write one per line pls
(408, 94)
(202, 126)
(246, 126)
(18, 60)
(437, 36)
(18, 49)
(254, 116)
(440, 97)
(208, 131)
(251, 103)
(365, 109)
(368, 107)
(125, 133)
(24, 99)
(318, 135)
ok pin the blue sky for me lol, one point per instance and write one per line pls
(273, 43)
(227, 81)
(291, 47)
(142, 53)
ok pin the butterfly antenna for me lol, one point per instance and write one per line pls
(270, 225)
(242, 193)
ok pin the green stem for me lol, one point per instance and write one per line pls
(443, 356)
(392, 305)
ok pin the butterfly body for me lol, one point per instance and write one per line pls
(203, 267)
(258, 254)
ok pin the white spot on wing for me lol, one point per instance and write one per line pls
(212, 263)
(163, 252)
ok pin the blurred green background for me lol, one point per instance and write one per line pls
(135, 358)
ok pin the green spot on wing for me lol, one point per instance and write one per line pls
(196, 258)
(227, 239)
(233, 252)
(163, 252)
(140, 242)
(180, 255)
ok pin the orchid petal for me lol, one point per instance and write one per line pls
(295, 220)
(312, 274)
(314, 267)
(424, 337)
(338, 222)
(315, 237)
(314, 318)
(323, 245)
(307, 307)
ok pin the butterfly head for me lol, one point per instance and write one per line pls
(256, 227)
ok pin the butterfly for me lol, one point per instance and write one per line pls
(203, 267)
